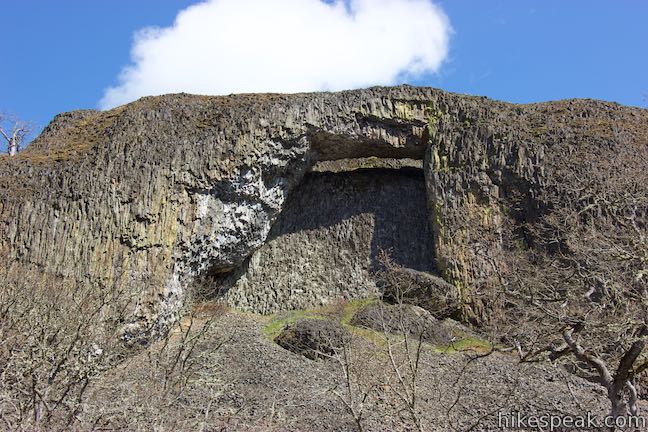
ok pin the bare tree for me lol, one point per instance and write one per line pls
(407, 368)
(14, 131)
(385, 375)
(382, 377)
(578, 287)
(357, 390)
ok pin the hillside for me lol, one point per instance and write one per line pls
(272, 203)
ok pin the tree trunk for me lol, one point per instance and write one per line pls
(13, 147)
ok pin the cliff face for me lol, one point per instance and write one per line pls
(168, 194)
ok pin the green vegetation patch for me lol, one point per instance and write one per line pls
(465, 343)
(341, 312)
(75, 141)
(353, 306)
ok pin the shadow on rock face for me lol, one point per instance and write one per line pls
(388, 206)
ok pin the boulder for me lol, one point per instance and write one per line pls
(403, 319)
(422, 289)
(314, 338)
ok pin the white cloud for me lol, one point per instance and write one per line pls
(241, 46)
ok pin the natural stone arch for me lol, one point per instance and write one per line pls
(139, 187)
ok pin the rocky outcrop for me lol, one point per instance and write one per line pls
(160, 193)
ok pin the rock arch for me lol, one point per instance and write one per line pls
(169, 188)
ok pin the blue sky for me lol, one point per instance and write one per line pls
(63, 55)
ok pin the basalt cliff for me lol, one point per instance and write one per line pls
(274, 202)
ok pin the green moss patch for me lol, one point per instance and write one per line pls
(466, 343)
(278, 321)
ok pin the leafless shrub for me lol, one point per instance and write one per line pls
(55, 337)
(407, 342)
(61, 348)
(169, 386)
(384, 376)
(405, 360)
(358, 386)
